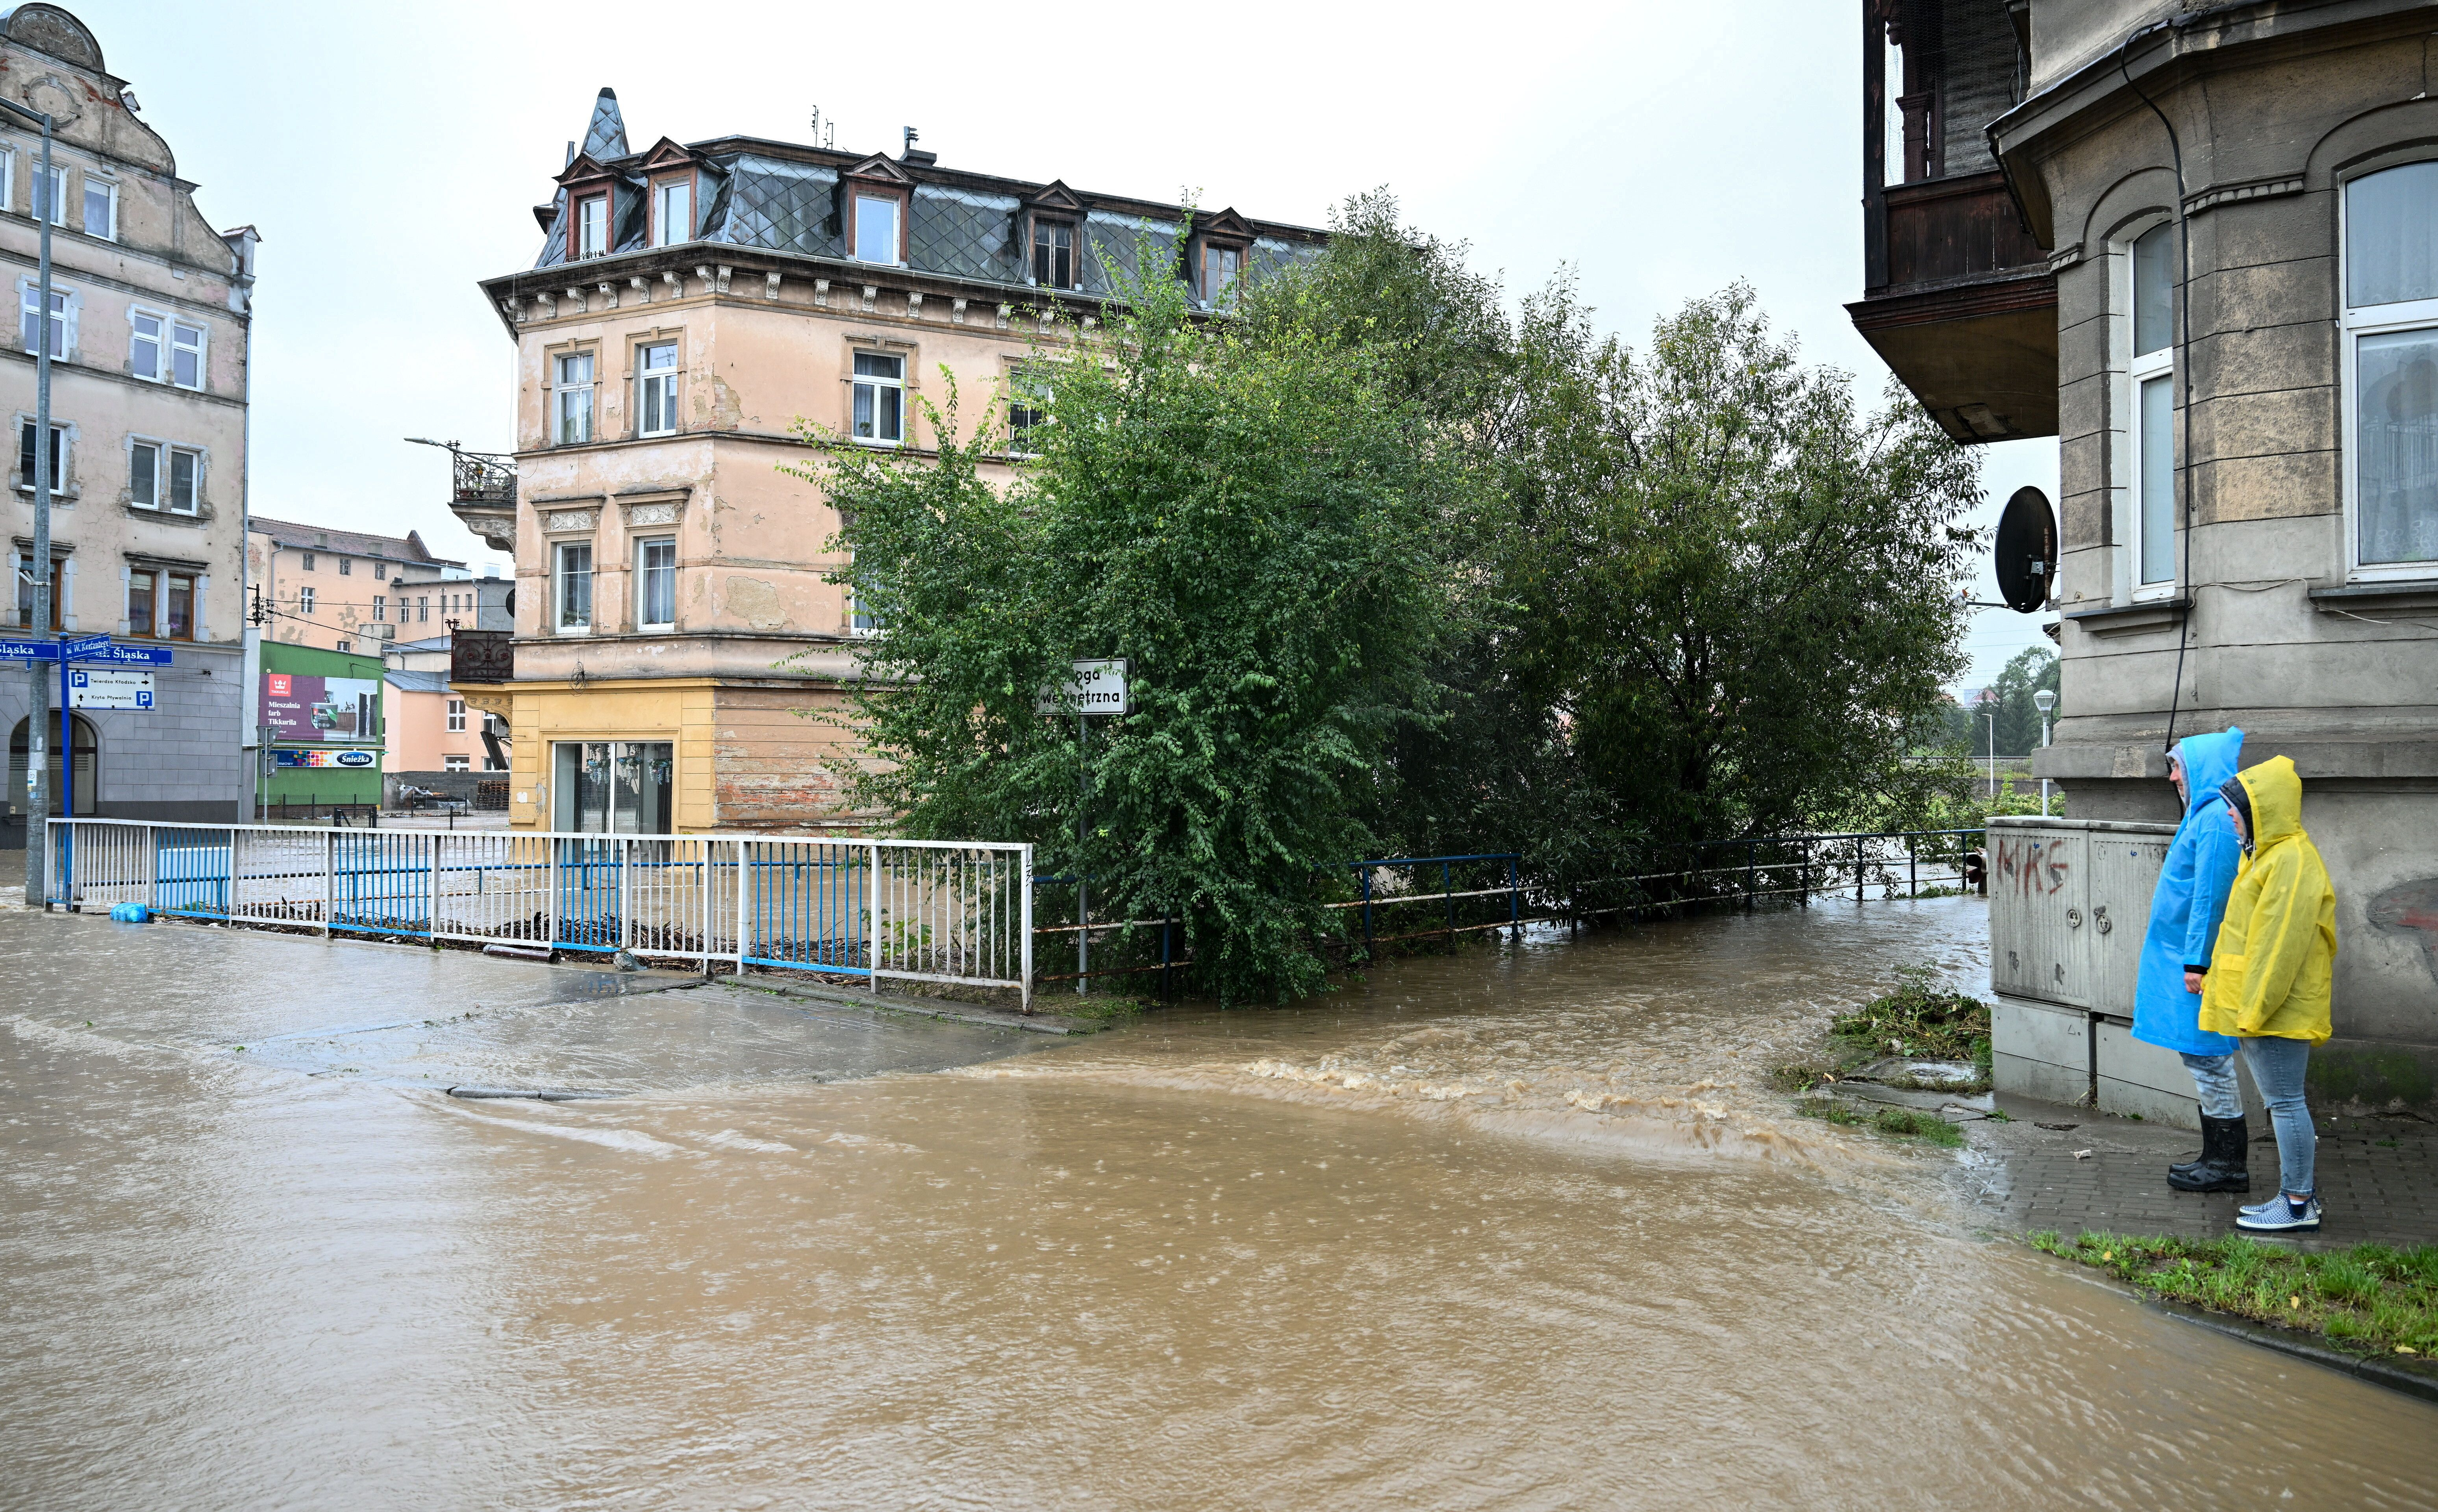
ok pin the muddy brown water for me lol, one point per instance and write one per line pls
(1518, 1228)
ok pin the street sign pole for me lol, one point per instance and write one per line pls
(38, 689)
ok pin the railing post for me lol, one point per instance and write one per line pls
(1803, 871)
(626, 896)
(744, 895)
(1447, 885)
(1858, 868)
(1913, 869)
(871, 958)
(1514, 903)
(551, 885)
(329, 880)
(1025, 998)
(1163, 956)
(1752, 871)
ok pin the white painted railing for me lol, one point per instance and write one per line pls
(953, 911)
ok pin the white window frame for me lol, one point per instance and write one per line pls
(166, 456)
(560, 573)
(896, 228)
(662, 192)
(2137, 371)
(1026, 392)
(66, 317)
(456, 760)
(137, 340)
(859, 621)
(199, 349)
(456, 717)
(655, 391)
(109, 189)
(588, 244)
(644, 583)
(380, 609)
(58, 195)
(66, 448)
(305, 599)
(8, 177)
(561, 390)
(2352, 324)
(860, 383)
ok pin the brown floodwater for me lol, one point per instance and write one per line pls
(1519, 1228)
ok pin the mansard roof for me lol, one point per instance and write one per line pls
(790, 198)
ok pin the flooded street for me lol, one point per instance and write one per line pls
(1520, 1228)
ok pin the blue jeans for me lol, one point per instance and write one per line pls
(2214, 1079)
(2277, 1071)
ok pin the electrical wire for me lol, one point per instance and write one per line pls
(2184, 361)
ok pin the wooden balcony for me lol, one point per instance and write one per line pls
(1960, 303)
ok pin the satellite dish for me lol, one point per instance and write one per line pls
(2027, 552)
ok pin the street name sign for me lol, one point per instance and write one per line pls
(91, 649)
(110, 689)
(1095, 688)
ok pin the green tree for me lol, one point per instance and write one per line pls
(1259, 527)
(2032, 670)
(1736, 588)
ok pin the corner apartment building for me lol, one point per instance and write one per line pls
(674, 627)
(2200, 245)
(148, 329)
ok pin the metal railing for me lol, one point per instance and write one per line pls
(1490, 890)
(943, 911)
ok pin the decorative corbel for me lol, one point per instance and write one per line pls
(514, 310)
(1048, 318)
(576, 297)
(1089, 323)
(609, 292)
(822, 292)
(677, 285)
(769, 286)
(871, 292)
(709, 283)
(957, 311)
(1003, 312)
(723, 278)
(549, 306)
(642, 288)
(913, 305)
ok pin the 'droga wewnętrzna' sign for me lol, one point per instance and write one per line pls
(1094, 688)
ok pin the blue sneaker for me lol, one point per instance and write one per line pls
(2262, 1206)
(2278, 1215)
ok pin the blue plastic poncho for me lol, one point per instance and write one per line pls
(2190, 903)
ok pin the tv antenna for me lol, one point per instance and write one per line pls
(824, 134)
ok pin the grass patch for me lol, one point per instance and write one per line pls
(1907, 1122)
(2370, 1298)
(1920, 1020)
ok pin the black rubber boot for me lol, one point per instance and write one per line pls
(2224, 1163)
(2187, 1167)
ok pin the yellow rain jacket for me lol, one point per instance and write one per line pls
(2277, 949)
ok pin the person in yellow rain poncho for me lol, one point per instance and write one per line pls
(2269, 984)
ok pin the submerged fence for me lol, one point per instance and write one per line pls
(909, 910)
(1452, 895)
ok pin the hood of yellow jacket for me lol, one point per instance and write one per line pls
(2276, 792)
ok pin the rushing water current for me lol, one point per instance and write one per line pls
(1522, 1227)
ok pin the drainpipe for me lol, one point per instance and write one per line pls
(38, 685)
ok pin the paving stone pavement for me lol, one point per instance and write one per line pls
(2377, 1176)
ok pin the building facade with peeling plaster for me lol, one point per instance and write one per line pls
(678, 657)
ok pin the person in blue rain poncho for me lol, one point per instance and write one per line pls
(2185, 913)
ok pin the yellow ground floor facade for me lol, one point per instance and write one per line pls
(677, 755)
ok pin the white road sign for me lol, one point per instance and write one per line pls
(109, 690)
(1096, 688)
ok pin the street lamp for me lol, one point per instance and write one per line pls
(37, 686)
(2046, 701)
(1989, 713)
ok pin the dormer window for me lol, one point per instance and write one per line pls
(592, 226)
(876, 228)
(1220, 268)
(1053, 254)
(672, 211)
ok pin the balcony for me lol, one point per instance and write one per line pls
(480, 656)
(1957, 296)
(481, 492)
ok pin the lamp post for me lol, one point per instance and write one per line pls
(1991, 715)
(2046, 701)
(38, 686)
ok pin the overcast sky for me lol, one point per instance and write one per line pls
(390, 156)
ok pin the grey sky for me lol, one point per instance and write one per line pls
(390, 154)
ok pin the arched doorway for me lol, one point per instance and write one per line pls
(86, 766)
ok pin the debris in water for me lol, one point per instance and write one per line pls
(2059, 1128)
(2082, 1154)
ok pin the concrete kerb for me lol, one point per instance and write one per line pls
(2413, 1382)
